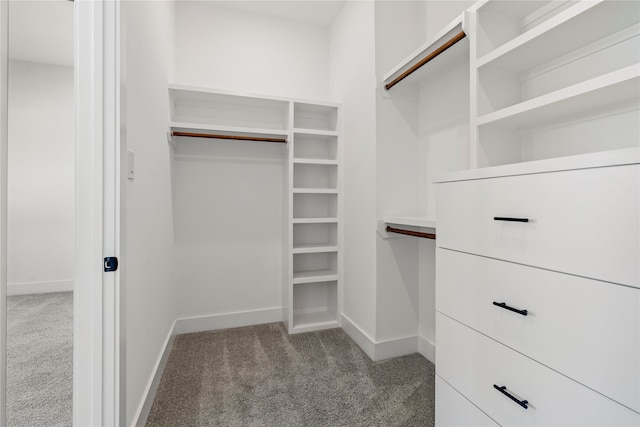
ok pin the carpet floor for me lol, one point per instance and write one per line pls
(40, 360)
(262, 376)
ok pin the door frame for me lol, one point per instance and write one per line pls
(99, 350)
(4, 97)
(98, 353)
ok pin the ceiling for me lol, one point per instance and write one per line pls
(42, 30)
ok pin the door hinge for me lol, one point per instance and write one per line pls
(110, 263)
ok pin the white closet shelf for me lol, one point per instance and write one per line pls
(606, 90)
(190, 94)
(317, 132)
(303, 322)
(315, 161)
(457, 52)
(314, 276)
(314, 248)
(227, 130)
(315, 191)
(314, 220)
(413, 221)
(540, 45)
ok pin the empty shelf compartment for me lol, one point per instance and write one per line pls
(315, 267)
(315, 205)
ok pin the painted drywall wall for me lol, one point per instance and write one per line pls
(439, 13)
(228, 225)
(41, 178)
(149, 264)
(240, 51)
(353, 83)
(396, 171)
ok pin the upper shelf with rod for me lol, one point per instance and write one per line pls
(206, 113)
(431, 56)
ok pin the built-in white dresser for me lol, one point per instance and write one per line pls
(538, 293)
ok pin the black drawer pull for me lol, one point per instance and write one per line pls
(504, 391)
(504, 218)
(506, 307)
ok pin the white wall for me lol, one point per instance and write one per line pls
(149, 263)
(396, 171)
(228, 195)
(228, 225)
(353, 83)
(439, 13)
(41, 178)
(228, 49)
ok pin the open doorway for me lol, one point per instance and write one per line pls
(40, 214)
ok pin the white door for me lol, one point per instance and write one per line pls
(97, 297)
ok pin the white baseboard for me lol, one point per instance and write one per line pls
(382, 349)
(364, 341)
(396, 347)
(427, 349)
(26, 288)
(228, 320)
(140, 419)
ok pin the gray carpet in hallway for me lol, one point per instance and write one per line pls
(262, 376)
(40, 360)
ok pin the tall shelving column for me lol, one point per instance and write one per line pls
(313, 288)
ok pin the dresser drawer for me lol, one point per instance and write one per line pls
(452, 409)
(586, 329)
(473, 363)
(583, 222)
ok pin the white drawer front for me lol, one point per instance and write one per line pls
(473, 363)
(586, 329)
(584, 222)
(453, 410)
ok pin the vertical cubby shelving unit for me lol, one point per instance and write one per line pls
(311, 298)
(311, 241)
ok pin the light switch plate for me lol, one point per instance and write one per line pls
(131, 174)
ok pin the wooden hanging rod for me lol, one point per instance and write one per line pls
(455, 39)
(234, 137)
(411, 233)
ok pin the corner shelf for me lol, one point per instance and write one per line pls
(553, 79)
(539, 45)
(612, 88)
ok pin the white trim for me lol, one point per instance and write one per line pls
(4, 95)
(427, 349)
(142, 413)
(228, 320)
(380, 350)
(364, 341)
(396, 347)
(27, 288)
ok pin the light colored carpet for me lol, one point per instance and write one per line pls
(262, 376)
(40, 360)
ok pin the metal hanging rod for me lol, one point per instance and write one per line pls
(411, 233)
(234, 137)
(446, 45)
